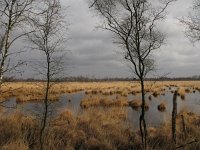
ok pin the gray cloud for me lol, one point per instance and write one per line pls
(92, 52)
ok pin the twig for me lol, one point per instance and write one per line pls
(195, 141)
(93, 4)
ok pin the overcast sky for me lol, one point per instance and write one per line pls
(93, 54)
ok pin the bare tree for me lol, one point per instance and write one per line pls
(13, 17)
(48, 38)
(192, 22)
(135, 26)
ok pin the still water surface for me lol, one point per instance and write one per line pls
(153, 116)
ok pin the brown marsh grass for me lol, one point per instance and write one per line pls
(120, 102)
(103, 128)
(135, 104)
(29, 91)
(97, 100)
(162, 107)
(91, 129)
(182, 93)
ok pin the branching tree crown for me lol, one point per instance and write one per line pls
(48, 39)
(192, 22)
(13, 17)
(134, 23)
(135, 26)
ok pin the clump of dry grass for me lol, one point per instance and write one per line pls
(102, 128)
(155, 93)
(32, 97)
(124, 94)
(181, 93)
(66, 115)
(120, 102)
(105, 102)
(91, 102)
(162, 107)
(160, 138)
(28, 91)
(24, 92)
(135, 104)
(92, 129)
(197, 88)
(132, 92)
(19, 144)
(187, 90)
(18, 132)
(88, 92)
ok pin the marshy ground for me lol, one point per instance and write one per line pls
(105, 128)
(30, 91)
(99, 115)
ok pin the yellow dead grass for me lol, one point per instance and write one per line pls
(103, 128)
(27, 91)
(98, 100)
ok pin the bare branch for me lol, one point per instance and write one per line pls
(14, 17)
(48, 38)
(93, 4)
(134, 24)
(192, 23)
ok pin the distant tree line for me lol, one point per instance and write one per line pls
(88, 79)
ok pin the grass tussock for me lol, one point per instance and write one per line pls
(155, 93)
(120, 102)
(162, 107)
(181, 93)
(90, 102)
(18, 132)
(136, 104)
(187, 90)
(161, 138)
(29, 91)
(103, 128)
(104, 102)
(92, 129)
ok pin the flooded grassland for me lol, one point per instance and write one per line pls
(102, 115)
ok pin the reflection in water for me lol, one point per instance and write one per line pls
(153, 116)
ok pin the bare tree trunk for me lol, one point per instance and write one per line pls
(48, 38)
(143, 129)
(1, 75)
(44, 121)
(137, 33)
(5, 41)
(174, 114)
(5, 47)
